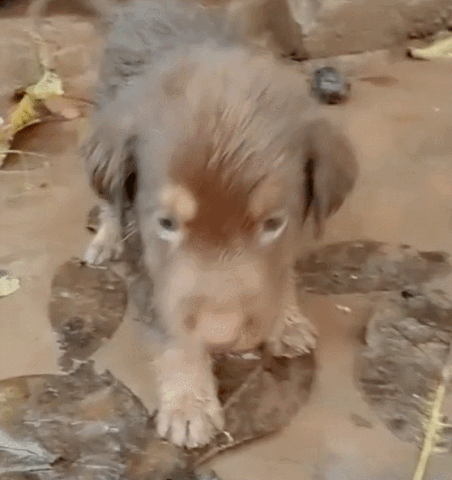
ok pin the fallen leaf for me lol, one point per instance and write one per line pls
(402, 370)
(439, 49)
(86, 307)
(368, 266)
(29, 110)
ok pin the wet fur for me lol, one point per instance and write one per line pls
(185, 100)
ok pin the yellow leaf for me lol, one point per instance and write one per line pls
(26, 113)
(50, 85)
(23, 114)
(439, 49)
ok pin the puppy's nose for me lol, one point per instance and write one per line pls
(220, 328)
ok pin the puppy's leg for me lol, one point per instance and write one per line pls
(189, 410)
(107, 243)
(294, 334)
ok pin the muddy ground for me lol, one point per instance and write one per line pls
(399, 117)
(330, 27)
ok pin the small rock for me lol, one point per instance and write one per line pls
(329, 87)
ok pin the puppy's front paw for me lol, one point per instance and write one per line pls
(298, 337)
(106, 245)
(190, 412)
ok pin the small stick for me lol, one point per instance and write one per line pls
(22, 152)
(434, 421)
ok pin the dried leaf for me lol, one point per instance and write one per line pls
(401, 369)
(368, 266)
(434, 428)
(69, 426)
(23, 115)
(86, 307)
(439, 49)
(27, 112)
(24, 455)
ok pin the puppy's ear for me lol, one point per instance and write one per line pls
(330, 171)
(108, 152)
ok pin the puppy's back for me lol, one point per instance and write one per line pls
(147, 31)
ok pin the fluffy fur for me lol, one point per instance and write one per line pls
(221, 154)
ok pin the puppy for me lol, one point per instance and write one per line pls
(266, 23)
(226, 159)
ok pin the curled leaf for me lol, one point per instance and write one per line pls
(29, 109)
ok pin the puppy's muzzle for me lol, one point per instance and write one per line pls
(219, 329)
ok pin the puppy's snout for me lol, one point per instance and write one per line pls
(225, 308)
(222, 329)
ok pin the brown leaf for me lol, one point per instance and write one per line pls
(407, 344)
(86, 307)
(368, 266)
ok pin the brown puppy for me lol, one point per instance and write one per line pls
(265, 23)
(228, 161)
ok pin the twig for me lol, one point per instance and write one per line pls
(25, 469)
(434, 422)
(22, 152)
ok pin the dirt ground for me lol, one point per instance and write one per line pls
(399, 118)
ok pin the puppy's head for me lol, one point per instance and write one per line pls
(228, 169)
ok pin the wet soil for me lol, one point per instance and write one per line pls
(330, 27)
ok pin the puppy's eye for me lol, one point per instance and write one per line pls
(168, 224)
(272, 227)
(272, 224)
(167, 228)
